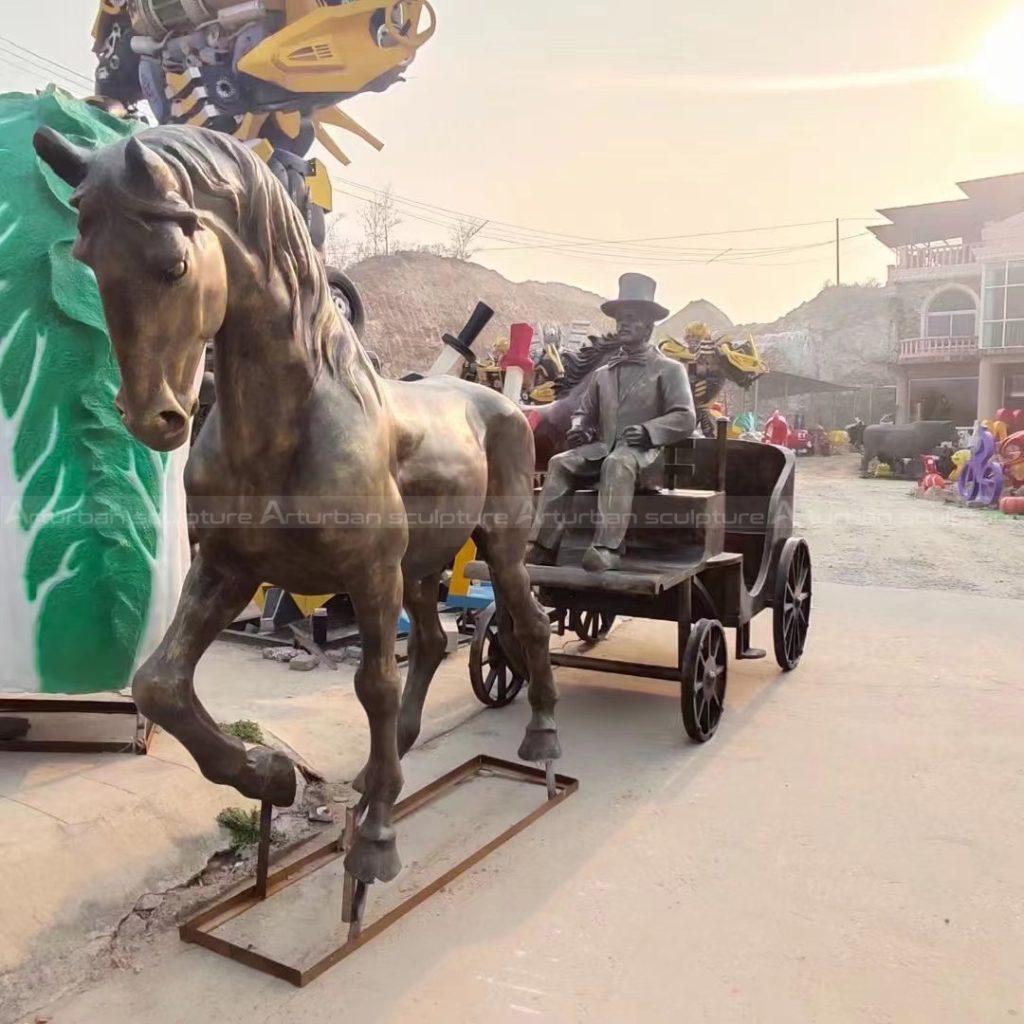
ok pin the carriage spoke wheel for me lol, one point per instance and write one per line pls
(492, 677)
(705, 672)
(590, 626)
(791, 616)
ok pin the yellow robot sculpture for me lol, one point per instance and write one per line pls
(712, 362)
(269, 72)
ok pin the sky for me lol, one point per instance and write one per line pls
(576, 127)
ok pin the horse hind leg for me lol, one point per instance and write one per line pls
(504, 550)
(427, 646)
(377, 604)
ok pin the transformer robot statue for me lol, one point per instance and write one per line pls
(270, 73)
(712, 362)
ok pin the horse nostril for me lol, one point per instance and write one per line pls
(172, 422)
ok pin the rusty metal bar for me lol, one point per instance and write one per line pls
(263, 851)
(198, 930)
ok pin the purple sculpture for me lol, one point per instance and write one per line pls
(981, 481)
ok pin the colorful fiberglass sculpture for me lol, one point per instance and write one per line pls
(981, 481)
(1011, 455)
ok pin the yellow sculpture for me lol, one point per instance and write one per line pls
(710, 363)
(997, 428)
(960, 459)
(269, 72)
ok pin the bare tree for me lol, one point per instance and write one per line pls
(379, 217)
(462, 234)
(340, 250)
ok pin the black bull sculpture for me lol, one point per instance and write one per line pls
(889, 442)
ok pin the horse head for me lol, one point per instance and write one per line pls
(192, 238)
(161, 276)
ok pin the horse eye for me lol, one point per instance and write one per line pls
(177, 272)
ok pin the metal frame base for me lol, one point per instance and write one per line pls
(200, 928)
(138, 744)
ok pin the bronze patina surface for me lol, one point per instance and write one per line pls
(634, 406)
(311, 472)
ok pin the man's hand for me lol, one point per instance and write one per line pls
(636, 437)
(577, 435)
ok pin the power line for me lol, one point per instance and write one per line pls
(48, 60)
(35, 75)
(713, 234)
(612, 249)
(43, 75)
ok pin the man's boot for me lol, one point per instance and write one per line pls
(537, 554)
(601, 559)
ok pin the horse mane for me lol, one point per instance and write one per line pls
(582, 363)
(269, 223)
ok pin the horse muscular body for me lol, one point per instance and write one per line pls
(311, 472)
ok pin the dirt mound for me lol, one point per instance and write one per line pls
(412, 299)
(700, 310)
(841, 335)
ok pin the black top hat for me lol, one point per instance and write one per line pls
(636, 295)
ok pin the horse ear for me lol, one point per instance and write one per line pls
(68, 161)
(146, 170)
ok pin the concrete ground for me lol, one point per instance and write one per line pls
(848, 847)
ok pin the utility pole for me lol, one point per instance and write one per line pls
(838, 280)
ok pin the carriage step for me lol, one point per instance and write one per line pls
(744, 652)
(751, 654)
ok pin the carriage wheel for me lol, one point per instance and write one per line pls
(792, 606)
(705, 672)
(494, 681)
(590, 626)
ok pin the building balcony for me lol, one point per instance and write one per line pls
(938, 350)
(934, 261)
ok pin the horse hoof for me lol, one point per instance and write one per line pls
(270, 776)
(540, 745)
(373, 861)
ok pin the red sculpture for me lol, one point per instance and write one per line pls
(776, 430)
(1013, 418)
(932, 478)
(1011, 455)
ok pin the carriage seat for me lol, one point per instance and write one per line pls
(664, 525)
(684, 520)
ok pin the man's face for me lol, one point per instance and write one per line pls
(634, 331)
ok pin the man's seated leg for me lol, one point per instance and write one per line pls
(619, 475)
(566, 472)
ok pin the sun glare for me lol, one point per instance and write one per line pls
(999, 65)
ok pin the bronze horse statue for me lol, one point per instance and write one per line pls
(311, 472)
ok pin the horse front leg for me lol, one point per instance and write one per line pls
(377, 604)
(163, 687)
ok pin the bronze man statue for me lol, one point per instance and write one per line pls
(635, 405)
